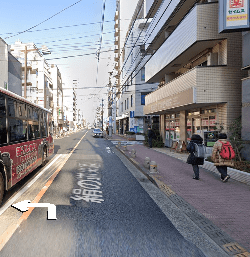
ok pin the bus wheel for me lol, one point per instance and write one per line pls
(1, 187)
(44, 157)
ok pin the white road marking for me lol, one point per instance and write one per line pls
(23, 190)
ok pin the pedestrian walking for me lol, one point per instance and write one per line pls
(151, 135)
(197, 154)
(223, 155)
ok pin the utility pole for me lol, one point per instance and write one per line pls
(102, 114)
(25, 72)
(45, 51)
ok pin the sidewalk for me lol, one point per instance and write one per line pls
(225, 205)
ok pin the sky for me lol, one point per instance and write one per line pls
(69, 28)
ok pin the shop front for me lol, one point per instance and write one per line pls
(180, 126)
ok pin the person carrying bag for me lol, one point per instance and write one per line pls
(223, 155)
(197, 154)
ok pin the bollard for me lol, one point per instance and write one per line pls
(133, 153)
(153, 167)
(119, 144)
(147, 162)
(125, 147)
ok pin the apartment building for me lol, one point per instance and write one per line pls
(36, 77)
(131, 27)
(198, 68)
(10, 70)
(58, 112)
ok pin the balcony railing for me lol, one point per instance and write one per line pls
(199, 30)
(199, 85)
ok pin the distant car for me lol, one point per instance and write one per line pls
(97, 133)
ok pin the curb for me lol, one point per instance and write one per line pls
(137, 165)
(220, 238)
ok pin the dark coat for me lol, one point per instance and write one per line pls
(191, 149)
(151, 133)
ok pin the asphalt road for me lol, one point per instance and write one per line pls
(102, 210)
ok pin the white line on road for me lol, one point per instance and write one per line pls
(23, 190)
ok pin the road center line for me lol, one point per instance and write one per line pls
(4, 238)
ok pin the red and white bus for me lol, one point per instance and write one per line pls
(25, 138)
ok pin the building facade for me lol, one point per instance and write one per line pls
(58, 112)
(129, 53)
(10, 70)
(199, 70)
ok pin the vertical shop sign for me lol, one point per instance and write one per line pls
(233, 15)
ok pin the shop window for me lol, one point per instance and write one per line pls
(177, 115)
(189, 129)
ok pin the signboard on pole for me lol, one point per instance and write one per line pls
(233, 15)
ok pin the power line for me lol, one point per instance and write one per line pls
(44, 20)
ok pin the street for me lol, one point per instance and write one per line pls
(101, 208)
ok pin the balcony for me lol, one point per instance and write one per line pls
(197, 32)
(167, 17)
(198, 87)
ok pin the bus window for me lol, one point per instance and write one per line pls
(2, 105)
(3, 131)
(30, 112)
(36, 130)
(43, 125)
(11, 107)
(17, 130)
(35, 115)
(21, 110)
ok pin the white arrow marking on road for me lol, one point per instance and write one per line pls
(23, 206)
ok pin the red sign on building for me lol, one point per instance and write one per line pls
(236, 3)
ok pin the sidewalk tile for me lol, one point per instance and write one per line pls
(225, 204)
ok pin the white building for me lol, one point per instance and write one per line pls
(58, 110)
(130, 29)
(10, 70)
(36, 74)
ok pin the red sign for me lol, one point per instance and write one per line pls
(236, 3)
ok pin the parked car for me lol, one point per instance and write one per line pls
(97, 133)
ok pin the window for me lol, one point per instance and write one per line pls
(11, 107)
(131, 100)
(125, 105)
(17, 130)
(2, 105)
(143, 97)
(122, 107)
(143, 74)
(3, 131)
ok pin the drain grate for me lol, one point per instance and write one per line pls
(167, 190)
(234, 249)
(182, 203)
